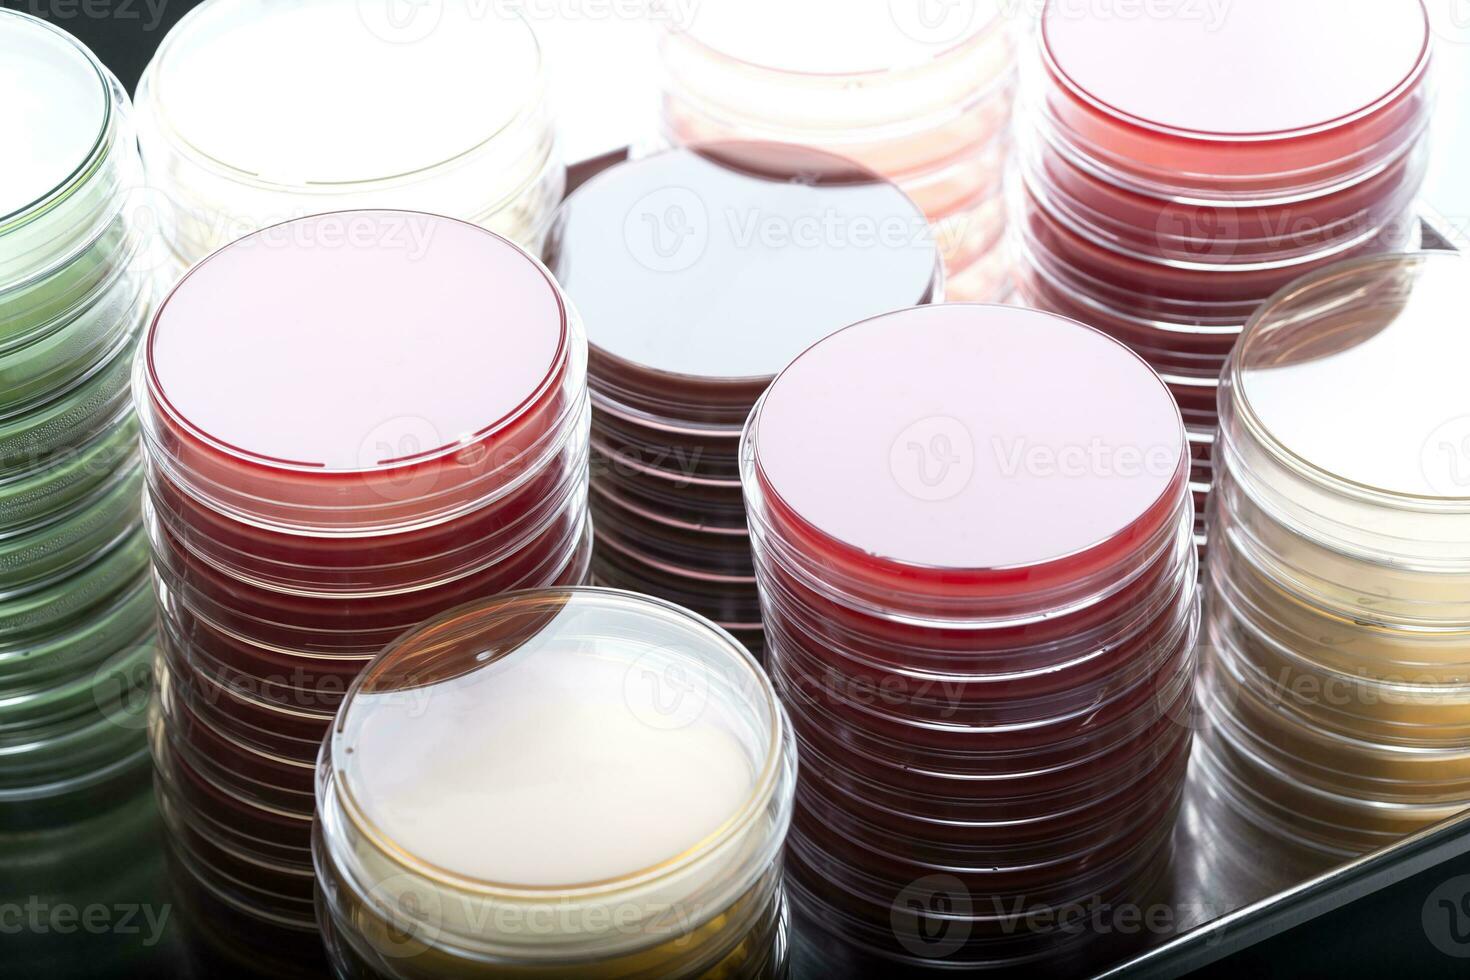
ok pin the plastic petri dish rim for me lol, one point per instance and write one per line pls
(734, 257)
(983, 460)
(574, 813)
(1343, 420)
(59, 100)
(1183, 118)
(65, 108)
(359, 371)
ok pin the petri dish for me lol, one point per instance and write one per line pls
(435, 362)
(615, 803)
(781, 247)
(1339, 570)
(734, 258)
(986, 456)
(1333, 93)
(1363, 501)
(70, 114)
(440, 109)
(50, 551)
(59, 101)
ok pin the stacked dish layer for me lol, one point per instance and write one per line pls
(1162, 194)
(973, 538)
(76, 617)
(257, 111)
(702, 272)
(577, 783)
(926, 104)
(423, 445)
(1339, 675)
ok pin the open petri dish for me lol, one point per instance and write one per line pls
(442, 110)
(672, 812)
(1363, 501)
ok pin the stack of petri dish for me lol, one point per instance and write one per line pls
(351, 423)
(974, 541)
(76, 613)
(701, 272)
(1338, 685)
(1166, 190)
(571, 783)
(258, 111)
(923, 100)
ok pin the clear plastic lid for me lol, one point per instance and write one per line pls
(256, 111)
(58, 100)
(997, 460)
(360, 371)
(68, 115)
(1254, 98)
(701, 272)
(1346, 428)
(594, 751)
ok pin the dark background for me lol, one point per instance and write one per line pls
(123, 33)
(1380, 935)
